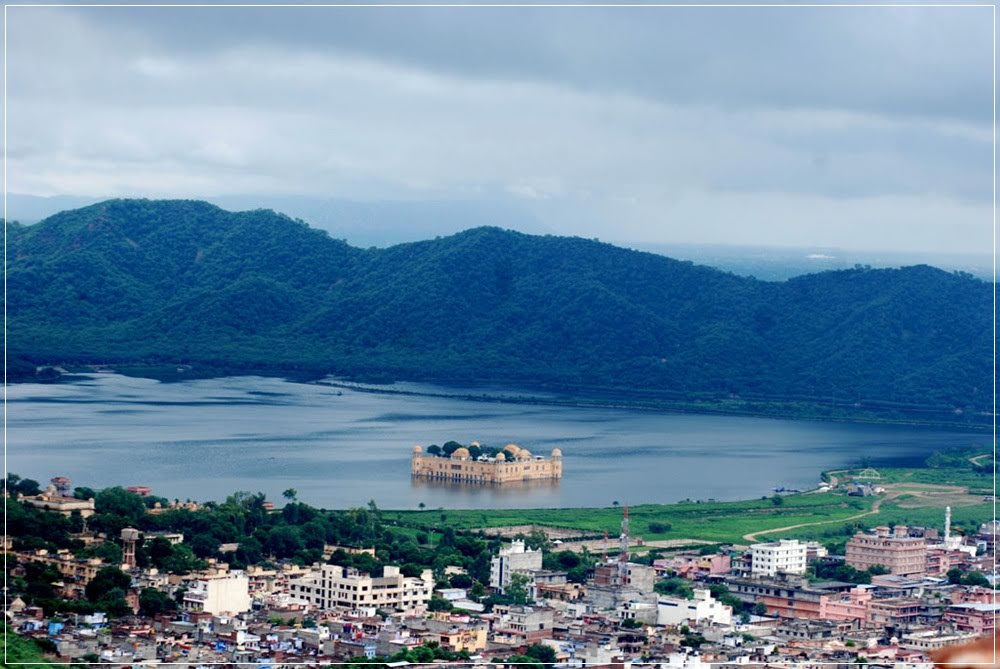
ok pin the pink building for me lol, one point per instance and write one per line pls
(974, 595)
(898, 552)
(979, 619)
(851, 605)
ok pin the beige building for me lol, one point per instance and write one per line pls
(897, 551)
(346, 588)
(513, 463)
(226, 592)
(52, 500)
(76, 572)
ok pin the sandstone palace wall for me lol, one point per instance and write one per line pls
(497, 471)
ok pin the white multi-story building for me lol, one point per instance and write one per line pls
(702, 608)
(346, 588)
(226, 593)
(515, 559)
(787, 556)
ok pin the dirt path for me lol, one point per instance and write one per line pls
(941, 493)
(752, 536)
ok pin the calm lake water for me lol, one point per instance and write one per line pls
(340, 448)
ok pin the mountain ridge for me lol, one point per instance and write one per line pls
(127, 281)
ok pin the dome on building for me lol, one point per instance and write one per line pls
(476, 444)
(460, 453)
(501, 457)
(524, 454)
(556, 453)
(512, 448)
(417, 450)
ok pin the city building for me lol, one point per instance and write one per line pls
(898, 552)
(787, 556)
(513, 463)
(52, 500)
(336, 587)
(701, 608)
(513, 559)
(896, 612)
(227, 592)
(76, 572)
(520, 625)
(795, 597)
(980, 619)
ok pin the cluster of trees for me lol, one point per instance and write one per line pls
(958, 577)
(138, 281)
(675, 587)
(475, 450)
(427, 653)
(15, 485)
(844, 572)
(536, 655)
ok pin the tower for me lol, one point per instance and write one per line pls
(61, 484)
(130, 537)
(623, 551)
(951, 543)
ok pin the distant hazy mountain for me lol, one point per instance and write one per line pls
(383, 223)
(780, 263)
(185, 281)
(361, 223)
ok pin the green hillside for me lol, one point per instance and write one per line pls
(140, 281)
(18, 650)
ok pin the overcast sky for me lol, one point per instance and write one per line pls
(862, 128)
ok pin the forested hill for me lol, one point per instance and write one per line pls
(129, 281)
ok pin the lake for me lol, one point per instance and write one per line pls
(204, 439)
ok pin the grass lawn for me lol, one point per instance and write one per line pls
(709, 521)
(966, 477)
(827, 516)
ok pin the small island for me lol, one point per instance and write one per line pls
(480, 464)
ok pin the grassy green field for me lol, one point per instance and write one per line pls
(830, 516)
(976, 482)
(707, 521)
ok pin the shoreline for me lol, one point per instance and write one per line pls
(777, 409)
(661, 406)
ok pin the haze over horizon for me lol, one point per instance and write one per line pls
(861, 129)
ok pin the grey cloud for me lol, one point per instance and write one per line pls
(750, 125)
(900, 60)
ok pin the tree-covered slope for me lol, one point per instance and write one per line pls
(21, 651)
(182, 281)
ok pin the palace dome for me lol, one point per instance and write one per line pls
(513, 448)
(556, 453)
(524, 454)
(501, 457)
(460, 453)
(417, 450)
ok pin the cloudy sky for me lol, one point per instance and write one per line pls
(861, 128)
